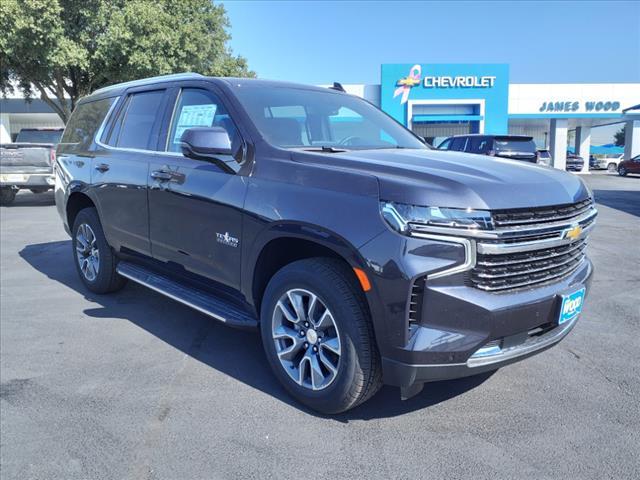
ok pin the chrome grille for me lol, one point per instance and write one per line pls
(531, 248)
(523, 269)
(516, 217)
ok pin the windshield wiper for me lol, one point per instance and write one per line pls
(325, 149)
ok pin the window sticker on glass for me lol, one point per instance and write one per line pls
(194, 116)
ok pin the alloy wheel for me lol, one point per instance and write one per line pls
(306, 339)
(87, 252)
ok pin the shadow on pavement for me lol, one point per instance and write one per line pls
(627, 201)
(25, 198)
(236, 353)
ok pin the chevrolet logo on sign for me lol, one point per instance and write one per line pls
(573, 232)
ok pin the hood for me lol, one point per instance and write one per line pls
(456, 180)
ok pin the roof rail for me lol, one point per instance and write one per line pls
(144, 81)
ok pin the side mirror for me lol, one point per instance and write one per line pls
(205, 143)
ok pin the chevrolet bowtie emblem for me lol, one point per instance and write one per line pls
(573, 232)
(409, 81)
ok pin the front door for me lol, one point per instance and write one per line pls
(195, 217)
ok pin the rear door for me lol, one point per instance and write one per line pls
(195, 215)
(121, 168)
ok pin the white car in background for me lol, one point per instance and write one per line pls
(610, 162)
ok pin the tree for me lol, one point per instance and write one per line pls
(618, 137)
(62, 50)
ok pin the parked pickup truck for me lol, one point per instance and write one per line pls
(28, 163)
(363, 256)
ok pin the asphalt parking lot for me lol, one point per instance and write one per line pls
(136, 386)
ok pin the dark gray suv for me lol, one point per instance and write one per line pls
(514, 147)
(362, 256)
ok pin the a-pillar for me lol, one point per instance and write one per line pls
(631, 139)
(583, 146)
(558, 142)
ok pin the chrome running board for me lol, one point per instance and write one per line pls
(199, 300)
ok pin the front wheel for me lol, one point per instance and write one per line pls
(318, 337)
(611, 167)
(93, 257)
(622, 171)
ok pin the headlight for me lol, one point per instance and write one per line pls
(401, 217)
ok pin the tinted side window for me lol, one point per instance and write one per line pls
(478, 145)
(83, 124)
(201, 108)
(140, 115)
(458, 143)
(446, 145)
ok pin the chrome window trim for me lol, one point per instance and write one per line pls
(122, 149)
(469, 250)
(106, 118)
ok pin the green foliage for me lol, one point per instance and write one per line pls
(618, 137)
(68, 48)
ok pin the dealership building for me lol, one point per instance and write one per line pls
(439, 100)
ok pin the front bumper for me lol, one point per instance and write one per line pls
(460, 323)
(439, 328)
(406, 375)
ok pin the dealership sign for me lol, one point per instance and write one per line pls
(459, 82)
(568, 106)
(405, 84)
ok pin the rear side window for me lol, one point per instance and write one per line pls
(134, 127)
(458, 143)
(83, 124)
(478, 145)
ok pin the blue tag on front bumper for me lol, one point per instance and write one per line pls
(571, 306)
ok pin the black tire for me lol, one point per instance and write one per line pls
(359, 374)
(107, 279)
(622, 171)
(612, 167)
(7, 195)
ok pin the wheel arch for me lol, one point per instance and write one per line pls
(77, 201)
(286, 243)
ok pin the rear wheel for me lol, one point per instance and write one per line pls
(622, 171)
(7, 195)
(318, 337)
(94, 258)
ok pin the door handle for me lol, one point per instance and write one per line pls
(161, 175)
(166, 176)
(102, 167)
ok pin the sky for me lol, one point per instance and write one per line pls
(319, 42)
(543, 42)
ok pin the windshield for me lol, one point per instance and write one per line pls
(299, 118)
(39, 136)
